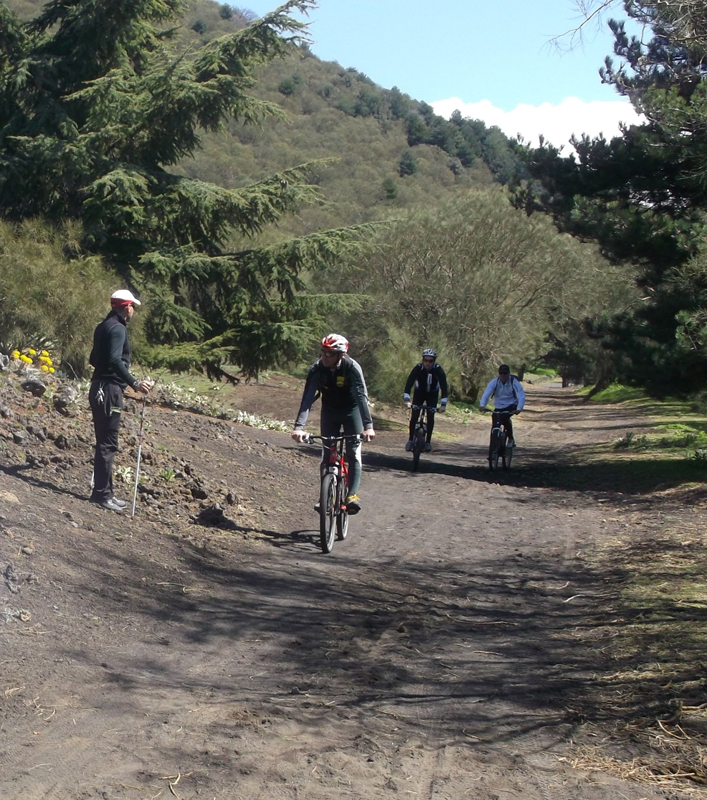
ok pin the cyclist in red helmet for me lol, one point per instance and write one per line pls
(339, 381)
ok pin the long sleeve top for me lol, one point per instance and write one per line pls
(426, 380)
(504, 394)
(110, 356)
(341, 389)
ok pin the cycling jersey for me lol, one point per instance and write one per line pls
(342, 389)
(427, 380)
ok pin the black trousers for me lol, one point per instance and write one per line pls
(507, 421)
(106, 401)
(419, 399)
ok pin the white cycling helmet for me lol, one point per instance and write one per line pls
(334, 343)
(429, 353)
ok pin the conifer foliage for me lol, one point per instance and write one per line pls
(97, 101)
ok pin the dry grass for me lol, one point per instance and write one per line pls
(651, 638)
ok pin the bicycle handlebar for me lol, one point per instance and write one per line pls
(311, 438)
(428, 408)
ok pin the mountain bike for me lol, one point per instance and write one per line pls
(419, 436)
(333, 516)
(499, 447)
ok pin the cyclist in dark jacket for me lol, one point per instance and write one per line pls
(110, 358)
(429, 379)
(339, 381)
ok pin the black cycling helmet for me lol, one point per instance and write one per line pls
(504, 369)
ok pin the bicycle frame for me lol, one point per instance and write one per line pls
(337, 458)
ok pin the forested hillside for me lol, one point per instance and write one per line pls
(256, 197)
(388, 150)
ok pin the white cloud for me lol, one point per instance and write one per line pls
(556, 123)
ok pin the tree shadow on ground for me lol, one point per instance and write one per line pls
(498, 649)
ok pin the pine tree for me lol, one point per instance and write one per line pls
(642, 195)
(98, 103)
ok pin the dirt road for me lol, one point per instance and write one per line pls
(441, 651)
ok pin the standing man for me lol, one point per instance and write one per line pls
(429, 379)
(110, 358)
(339, 380)
(508, 395)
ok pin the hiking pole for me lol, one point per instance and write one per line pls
(139, 452)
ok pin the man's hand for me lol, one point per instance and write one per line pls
(299, 435)
(408, 404)
(143, 386)
(442, 406)
(368, 435)
(483, 409)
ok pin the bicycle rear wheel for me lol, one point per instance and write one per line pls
(327, 512)
(418, 445)
(342, 518)
(494, 448)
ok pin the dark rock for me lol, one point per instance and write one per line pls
(34, 386)
(64, 397)
(40, 433)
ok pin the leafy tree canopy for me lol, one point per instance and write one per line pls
(97, 99)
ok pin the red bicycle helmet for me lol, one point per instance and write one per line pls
(334, 343)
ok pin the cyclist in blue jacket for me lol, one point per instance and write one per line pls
(508, 395)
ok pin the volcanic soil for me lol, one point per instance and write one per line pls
(450, 647)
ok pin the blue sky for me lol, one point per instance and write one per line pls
(492, 59)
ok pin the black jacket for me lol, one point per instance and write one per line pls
(110, 356)
(427, 380)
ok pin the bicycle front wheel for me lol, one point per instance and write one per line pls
(342, 517)
(327, 512)
(507, 456)
(494, 448)
(418, 445)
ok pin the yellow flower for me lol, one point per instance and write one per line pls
(15, 353)
(51, 369)
(26, 359)
(32, 352)
(44, 368)
(44, 353)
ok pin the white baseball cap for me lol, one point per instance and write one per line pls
(124, 296)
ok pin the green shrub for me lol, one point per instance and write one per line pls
(49, 292)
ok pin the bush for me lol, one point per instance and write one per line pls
(394, 360)
(49, 292)
(287, 87)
